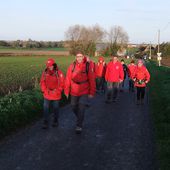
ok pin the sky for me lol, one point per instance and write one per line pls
(48, 20)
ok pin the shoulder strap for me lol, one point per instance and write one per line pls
(87, 67)
(74, 65)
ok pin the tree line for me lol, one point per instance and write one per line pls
(32, 44)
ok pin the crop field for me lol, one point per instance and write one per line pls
(19, 73)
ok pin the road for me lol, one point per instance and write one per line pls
(116, 136)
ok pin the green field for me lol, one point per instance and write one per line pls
(160, 108)
(2, 48)
(23, 72)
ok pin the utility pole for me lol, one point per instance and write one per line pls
(150, 54)
(158, 40)
(158, 53)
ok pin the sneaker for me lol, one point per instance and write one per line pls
(78, 130)
(45, 125)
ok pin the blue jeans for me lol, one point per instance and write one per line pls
(51, 105)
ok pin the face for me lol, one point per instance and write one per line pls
(79, 58)
(140, 64)
(122, 62)
(51, 67)
(115, 59)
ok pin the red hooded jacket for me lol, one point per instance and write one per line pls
(100, 68)
(52, 84)
(114, 72)
(78, 81)
(131, 70)
(141, 76)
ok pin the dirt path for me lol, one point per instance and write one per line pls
(116, 136)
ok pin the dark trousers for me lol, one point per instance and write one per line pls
(79, 104)
(100, 83)
(131, 85)
(112, 90)
(51, 105)
(140, 93)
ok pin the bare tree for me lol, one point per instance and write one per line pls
(117, 35)
(83, 37)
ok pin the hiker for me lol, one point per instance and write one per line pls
(141, 78)
(131, 72)
(80, 84)
(125, 70)
(52, 84)
(100, 71)
(114, 75)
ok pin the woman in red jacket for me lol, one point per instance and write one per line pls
(52, 84)
(131, 72)
(114, 76)
(141, 78)
(80, 84)
(100, 70)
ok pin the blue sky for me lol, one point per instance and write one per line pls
(49, 19)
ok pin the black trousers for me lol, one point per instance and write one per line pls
(78, 104)
(100, 83)
(112, 90)
(140, 93)
(131, 85)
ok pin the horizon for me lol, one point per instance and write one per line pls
(49, 20)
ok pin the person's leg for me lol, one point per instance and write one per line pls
(115, 90)
(130, 85)
(142, 94)
(138, 94)
(74, 104)
(109, 93)
(46, 113)
(56, 112)
(82, 107)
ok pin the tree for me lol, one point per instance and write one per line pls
(84, 38)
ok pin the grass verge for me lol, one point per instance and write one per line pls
(160, 107)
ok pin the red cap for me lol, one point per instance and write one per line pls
(50, 62)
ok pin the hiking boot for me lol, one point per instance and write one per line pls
(45, 125)
(78, 130)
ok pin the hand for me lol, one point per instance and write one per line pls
(146, 82)
(121, 81)
(90, 96)
(67, 96)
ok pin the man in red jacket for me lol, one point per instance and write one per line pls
(141, 78)
(52, 84)
(114, 76)
(80, 84)
(131, 72)
(100, 70)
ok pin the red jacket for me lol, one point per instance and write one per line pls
(78, 81)
(114, 72)
(52, 84)
(131, 70)
(100, 69)
(141, 76)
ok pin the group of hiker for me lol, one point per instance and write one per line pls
(84, 79)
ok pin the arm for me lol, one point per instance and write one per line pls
(61, 80)
(42, 83)
(92, 82)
